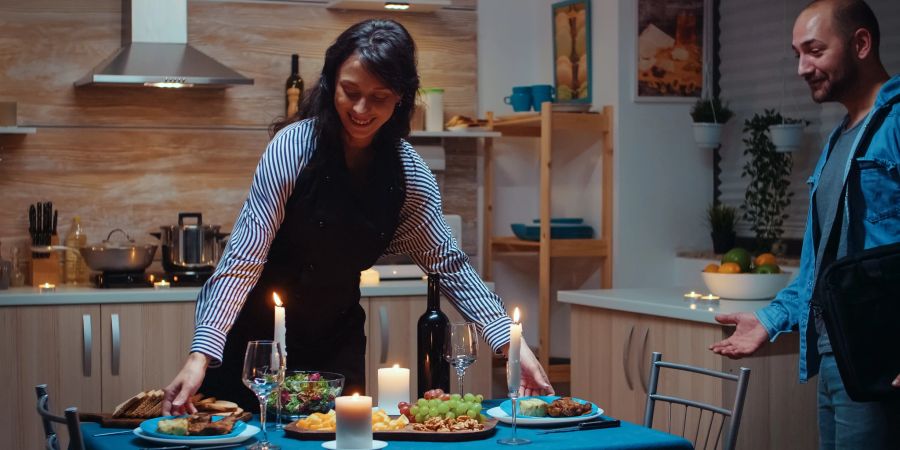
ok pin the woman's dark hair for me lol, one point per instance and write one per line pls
(386, 50)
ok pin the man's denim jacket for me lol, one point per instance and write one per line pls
(872, 218)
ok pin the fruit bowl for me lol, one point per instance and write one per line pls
(306, 392)
(746, 286)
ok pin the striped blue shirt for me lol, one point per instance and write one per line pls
(421, 233)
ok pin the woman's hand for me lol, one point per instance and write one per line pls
(178, 393)
(534, 379)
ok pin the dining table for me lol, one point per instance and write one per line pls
(625, 436)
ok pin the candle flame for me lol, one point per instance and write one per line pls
(152, 278)
(355, 396)
(396, 366)
(276, 299)
(516, 315)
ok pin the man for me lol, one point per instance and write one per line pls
(836, 42)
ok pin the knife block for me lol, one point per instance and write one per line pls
(47, 270)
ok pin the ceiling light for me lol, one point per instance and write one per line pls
(409, 6)
(396, 6)
(169, 85)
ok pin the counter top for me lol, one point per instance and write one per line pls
(662, 302)
(70, 295)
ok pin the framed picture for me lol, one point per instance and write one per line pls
(671, 50)
(572, 51)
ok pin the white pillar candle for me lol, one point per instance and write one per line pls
(514, 378)
(353, 424)
(393, 388)
(280, 328)
(369, 277)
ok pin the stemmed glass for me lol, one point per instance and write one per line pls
(263, 373)
(513, 380)
(461, 349)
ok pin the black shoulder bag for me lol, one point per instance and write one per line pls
(859, 299)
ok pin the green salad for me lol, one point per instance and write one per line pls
(307, 393)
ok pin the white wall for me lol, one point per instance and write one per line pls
(662, 181)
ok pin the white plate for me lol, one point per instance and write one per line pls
(332, 445)
(501, 416)
(248, 433)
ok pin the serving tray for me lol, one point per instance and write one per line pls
(406, 434)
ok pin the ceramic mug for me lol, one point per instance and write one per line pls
(520, 98)
(541, 93)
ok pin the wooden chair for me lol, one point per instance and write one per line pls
(76, 442)
(731, 416)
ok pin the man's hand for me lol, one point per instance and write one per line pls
(747, 338)
(896, 382)
(534, 379)
(177, 394)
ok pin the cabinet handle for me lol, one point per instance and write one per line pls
(642, 362)
(87, 345)
(625, 358)
(384, 323)
(114, 318)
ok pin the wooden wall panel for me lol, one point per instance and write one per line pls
(132, 158)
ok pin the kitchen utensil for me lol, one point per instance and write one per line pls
(112, 433)
(190, 247)
(187, 447)
(123, 256)
(589, 425)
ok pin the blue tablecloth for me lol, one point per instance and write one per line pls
(627, 436)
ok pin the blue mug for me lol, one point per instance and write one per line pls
(520, 98)
(541, 93)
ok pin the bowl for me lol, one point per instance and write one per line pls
(746, 286)
(307, 391)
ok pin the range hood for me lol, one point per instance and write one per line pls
(155, 52)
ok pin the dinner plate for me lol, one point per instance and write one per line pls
(150, 426)
(248, 432)
(503, 413)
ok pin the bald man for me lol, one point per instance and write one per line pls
(836, 42)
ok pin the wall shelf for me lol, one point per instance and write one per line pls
(17, 130)
(455, 134)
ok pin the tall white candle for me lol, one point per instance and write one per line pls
(393, 388)
(514, 377)
(280, 328)
(353, 424)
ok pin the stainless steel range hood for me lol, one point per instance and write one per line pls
(155, 52)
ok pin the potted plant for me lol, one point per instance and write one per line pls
(722, 219)
(767, 194)
(788, 134)
(709, 115)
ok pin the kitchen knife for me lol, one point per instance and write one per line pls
(55, 216)
(32, 225)
(589, 425)
(187, 447)
(48, 222)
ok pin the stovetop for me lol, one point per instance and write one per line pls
(122, 280)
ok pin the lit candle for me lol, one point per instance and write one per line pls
(693, 294)
(47, 287)
(393, 388)
(280, 329)
(514, 377)
(161, 284)
(709, 297)
(353, 424)
(369, 277)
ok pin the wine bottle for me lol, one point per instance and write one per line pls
(434, 370)
(293, 90)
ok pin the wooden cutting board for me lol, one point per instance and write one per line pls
(106, 420)
(406, 434)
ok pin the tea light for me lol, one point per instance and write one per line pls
(514, 378)
(393, 388)
(161, 284)
(693, 306)
(369, 277)
(47, 287)
(692, 295)
(353, 424)
(709, 297)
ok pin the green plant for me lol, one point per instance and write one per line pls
(721, 218)
(711, 111)
(767, 194)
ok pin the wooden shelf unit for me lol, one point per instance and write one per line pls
(543, 125)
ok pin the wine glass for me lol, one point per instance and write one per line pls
(263, 373)
(461, 349)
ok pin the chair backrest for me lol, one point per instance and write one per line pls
(730, 416)
(73, 424)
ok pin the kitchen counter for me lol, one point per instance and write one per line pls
(661, 302)
(66, 295)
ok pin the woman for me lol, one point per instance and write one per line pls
(331, 194)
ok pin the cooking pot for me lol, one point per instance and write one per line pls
(190, 247)
(122, 256)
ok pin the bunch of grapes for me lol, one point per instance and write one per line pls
(437, 403)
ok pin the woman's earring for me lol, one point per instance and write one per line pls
(398, 104)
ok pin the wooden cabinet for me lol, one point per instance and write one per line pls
(545, 125)
(611, 352)
(392, 340)
(71, 349)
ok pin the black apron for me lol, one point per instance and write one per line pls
(331, 231)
